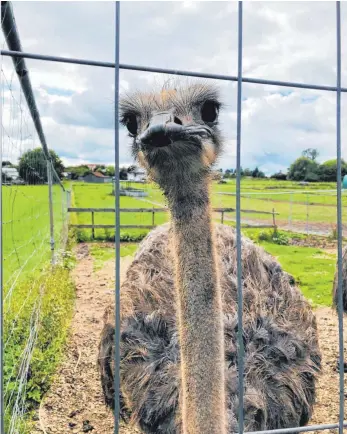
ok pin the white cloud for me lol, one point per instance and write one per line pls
(289, 41)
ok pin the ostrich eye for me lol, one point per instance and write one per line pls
(131, 123)
(209, 111)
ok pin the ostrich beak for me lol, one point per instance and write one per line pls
(161, 130)
(165, 129)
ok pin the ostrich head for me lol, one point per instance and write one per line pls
(174, 132)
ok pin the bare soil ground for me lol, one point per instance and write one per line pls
(74, 403)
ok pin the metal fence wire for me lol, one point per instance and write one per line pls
(56, 195)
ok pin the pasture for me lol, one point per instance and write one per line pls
(37, 300)
(312, 211)
(311, 265)
(26, 235)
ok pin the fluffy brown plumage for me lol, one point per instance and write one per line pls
(179, 299)
(282, 356)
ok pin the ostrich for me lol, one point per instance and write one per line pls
(344, 292)
(179, 370)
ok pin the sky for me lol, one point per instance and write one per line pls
(288, 41)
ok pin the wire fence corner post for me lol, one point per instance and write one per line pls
(117, 224)
(339, 217)
(51, 210)
(238, 226)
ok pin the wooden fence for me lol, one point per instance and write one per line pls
(153, 211)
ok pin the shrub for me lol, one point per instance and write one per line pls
(275, 237)
(49, 299)
(265, 236)
(280, 238)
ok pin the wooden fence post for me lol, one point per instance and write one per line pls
(153, 214)
(93, 233)
(274, 218)
(222, 217)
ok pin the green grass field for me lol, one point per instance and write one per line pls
(312, 268)
(26, 228)
(35, 296)
(297, 210)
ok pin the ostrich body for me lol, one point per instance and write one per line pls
(179, 369)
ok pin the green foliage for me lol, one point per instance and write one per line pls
(280, 238)
(328, 170)
(280, 176)
(310, 153)
(313, 270)
(51, 295)
(110, 171)
(103, 253)
(256, 173)
(78, 171)
(274, 236)
(304, 169)
(7, 164)
(33, 166)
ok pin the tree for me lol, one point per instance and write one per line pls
(33, 166)
(110, 171)
(256, 173)
(279, 176)
(310, 153)
(228, 173)
(247, 172)
(77, 171)
(328, 170)
(100, 168)
(7, 164)
(304, 169)
(123, 173)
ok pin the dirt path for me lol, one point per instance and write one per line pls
(327, 407)
(75, 405)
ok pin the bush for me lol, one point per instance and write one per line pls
(265, 236)
(51, 295)
(304, 169)
(275, 237)
(279, 176)
(280, 238)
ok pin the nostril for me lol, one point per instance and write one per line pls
(161, 139)
(157, 139)
(177, 121)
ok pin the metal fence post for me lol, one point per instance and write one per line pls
(339, 219)
(241, 350)
(117, 225)
(51, 211)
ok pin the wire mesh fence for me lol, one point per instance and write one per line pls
(34, 233)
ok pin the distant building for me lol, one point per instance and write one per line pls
(97, 178)
(11, 176)
(92, 166)
(137, 175)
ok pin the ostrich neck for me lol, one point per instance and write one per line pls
(200, 315)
